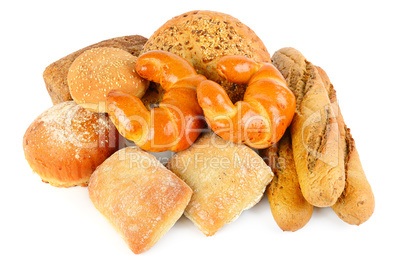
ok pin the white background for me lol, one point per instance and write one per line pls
(358, 43)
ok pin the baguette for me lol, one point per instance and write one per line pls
(356, 204)
(318, 153)
(55, 75)
(289, 208)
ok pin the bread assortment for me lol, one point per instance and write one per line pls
(351, 195)
(199, 69)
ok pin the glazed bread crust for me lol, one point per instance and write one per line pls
(226, 178)
(55, 75)
(317, 148)
(289, 208)
(66, 143)
(177, 121)
(202, 37)
(139, 196)
(261, 118)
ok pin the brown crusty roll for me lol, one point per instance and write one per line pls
(202, 37)
(289, 208)
(317, 149)
(139, 196)
(55, 75)
(226, 178)
(66, 143)
(356, 203)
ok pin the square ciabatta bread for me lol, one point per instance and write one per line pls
(139, 196)
(226, 179)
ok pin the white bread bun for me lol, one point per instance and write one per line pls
(66, 143)
(97, 71)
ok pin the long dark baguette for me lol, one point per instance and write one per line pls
(356, 203)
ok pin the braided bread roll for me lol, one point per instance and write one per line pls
(267, 109)
(177, 121)
(202, 37)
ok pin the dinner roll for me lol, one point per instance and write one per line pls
(99, 70)
(55, 75)
(66, 143)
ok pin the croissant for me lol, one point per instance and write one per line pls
(267, 109)
(178, 120)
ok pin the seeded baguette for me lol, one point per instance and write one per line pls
(289, 208)
(356, 204)
(55, 75)
(317, 150)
